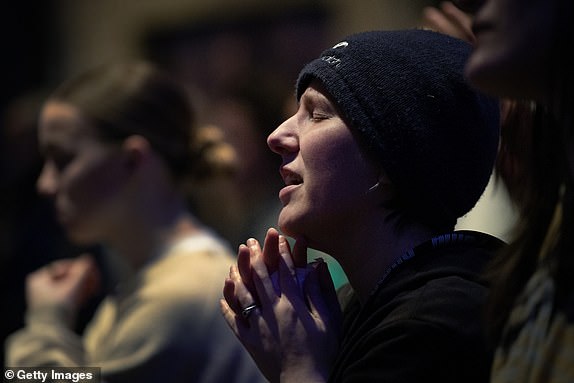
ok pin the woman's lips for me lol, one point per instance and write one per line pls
(63, 215)
(285, 192)
(64, 219)
(292, 181)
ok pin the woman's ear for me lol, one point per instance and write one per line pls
(384, 187)
(388, 188)
(136, 150)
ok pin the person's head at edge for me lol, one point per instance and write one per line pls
(387, 127)
(104, 133)
(522, 51)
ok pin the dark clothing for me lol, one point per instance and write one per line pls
(424, 322)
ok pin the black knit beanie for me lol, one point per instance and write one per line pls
(405, 95)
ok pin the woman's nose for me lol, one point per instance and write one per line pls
(284, 139)
(47, 182)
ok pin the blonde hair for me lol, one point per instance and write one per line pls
(123, 99)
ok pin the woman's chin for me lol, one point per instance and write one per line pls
(288, 225)
(80, 237)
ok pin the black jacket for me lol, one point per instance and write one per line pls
(424, 322)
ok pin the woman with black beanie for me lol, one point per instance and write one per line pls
(388, 147)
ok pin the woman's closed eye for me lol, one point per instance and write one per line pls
(319, 116)
(316, 106)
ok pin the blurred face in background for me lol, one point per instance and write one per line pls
(82, 174)
(514, 47)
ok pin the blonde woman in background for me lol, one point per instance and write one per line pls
(119, 146)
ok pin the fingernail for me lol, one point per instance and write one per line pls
(251, 242)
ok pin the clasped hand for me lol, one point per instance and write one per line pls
(293, 333)
(65, 283)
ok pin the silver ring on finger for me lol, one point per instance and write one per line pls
(248, 310)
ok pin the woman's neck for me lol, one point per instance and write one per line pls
(148, 238)
(366, 258)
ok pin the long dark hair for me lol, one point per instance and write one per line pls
(531, 167)
(535, 162)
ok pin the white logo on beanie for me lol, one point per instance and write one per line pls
(332, 60)
(340, 45)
